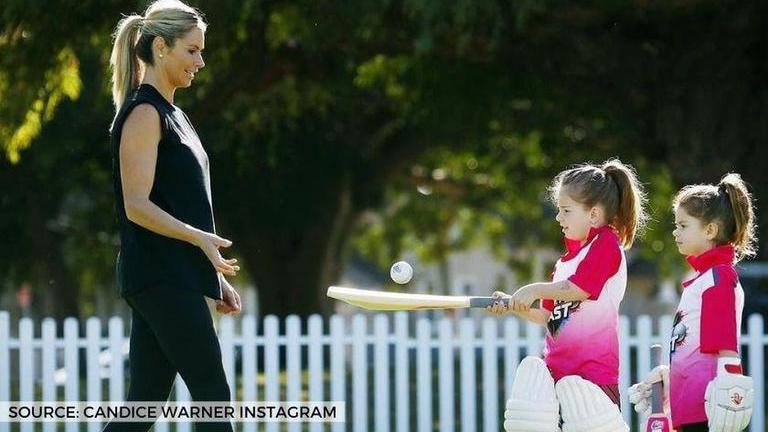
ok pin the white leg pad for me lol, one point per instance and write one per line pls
(586, 408)
(533, 406)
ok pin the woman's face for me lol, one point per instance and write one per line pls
(180, 63)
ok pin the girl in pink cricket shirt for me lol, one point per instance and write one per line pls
(714, 228)
(600, 211)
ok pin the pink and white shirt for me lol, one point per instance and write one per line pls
(708, 320)
(583, 337)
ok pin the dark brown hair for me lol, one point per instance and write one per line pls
(612, 185)
(729, 205)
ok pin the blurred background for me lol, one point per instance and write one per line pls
(345, 136)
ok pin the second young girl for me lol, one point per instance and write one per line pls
(714, 229)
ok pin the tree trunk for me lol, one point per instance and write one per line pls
(292, 266)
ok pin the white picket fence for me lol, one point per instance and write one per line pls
(443, 374)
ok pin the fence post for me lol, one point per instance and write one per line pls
(445, 389)
(271, 364)
(402, 366)
(48, 333)
(315, 331)
(338, 375)
(359, 374)
(490, 375)
(26, 366)
(624, 360)
(71, 366)
(381, 372)
(93, 365)
(117, 344)
(511, 354)
(293, 364)
(26, 360)
(5, 363)
(424, 375)
(533, 339)
(468, 377)
(757, 372)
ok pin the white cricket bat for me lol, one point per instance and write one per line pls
(392, 301)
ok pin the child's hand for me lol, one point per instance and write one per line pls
(523, 298)
(499, 307)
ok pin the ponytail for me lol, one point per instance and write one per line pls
(743, 236)
(615, 187)
(124, 62)
(630, 217)
(729, 205)
(167, 19)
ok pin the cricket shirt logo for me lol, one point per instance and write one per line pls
(560, 314)
(679, 332)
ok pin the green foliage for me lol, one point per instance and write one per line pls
(59, 82)
(448, 119)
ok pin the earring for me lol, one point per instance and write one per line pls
(161, 56)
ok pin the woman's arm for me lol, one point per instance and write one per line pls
(138, 158)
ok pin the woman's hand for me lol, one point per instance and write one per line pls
(210, 244)
(230, 299)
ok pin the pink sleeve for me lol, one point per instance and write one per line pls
(548, 304)
(600, 264)
(718, 312)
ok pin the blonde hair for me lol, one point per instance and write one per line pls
(729, 205)
(168, 19)
(614, 186)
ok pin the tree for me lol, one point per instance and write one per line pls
(315, 111)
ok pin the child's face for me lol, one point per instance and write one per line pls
(575, 218)
(692, 237)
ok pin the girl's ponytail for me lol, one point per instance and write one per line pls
(630, 216)
(742, 232)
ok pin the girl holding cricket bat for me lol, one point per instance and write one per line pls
(714, 228)
(600, 210)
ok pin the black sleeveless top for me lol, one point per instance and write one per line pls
(182, 188)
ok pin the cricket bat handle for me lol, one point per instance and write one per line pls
(484, 302)
(657, 395)
(658, 420)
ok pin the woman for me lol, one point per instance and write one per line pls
(169, 259)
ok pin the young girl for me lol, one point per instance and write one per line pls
(600, 210)
(714, 228)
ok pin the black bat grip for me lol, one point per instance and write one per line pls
(657, 395)
(483, 302)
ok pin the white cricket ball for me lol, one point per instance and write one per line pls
(401, 272)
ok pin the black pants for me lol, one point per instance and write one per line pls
(172, 332)
(695, 427)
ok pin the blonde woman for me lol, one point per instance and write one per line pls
(169, 259)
